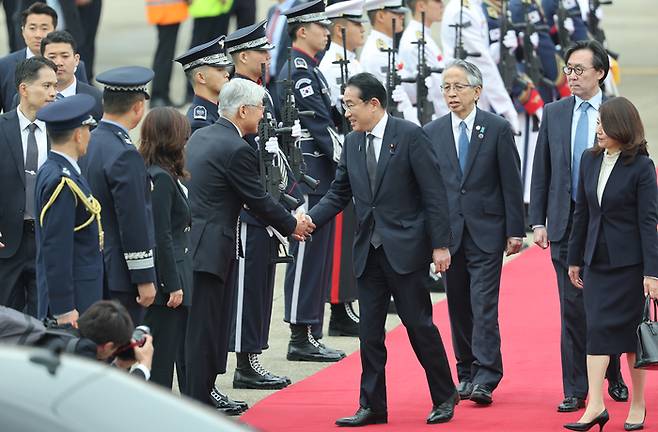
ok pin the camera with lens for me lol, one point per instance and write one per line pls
(138, 339)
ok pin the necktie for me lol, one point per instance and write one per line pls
(59, 96)
(463, 146)
(371, 165)
(31, 167)
(580, 144)
(271, 25)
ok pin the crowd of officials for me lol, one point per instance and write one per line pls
(427, 164)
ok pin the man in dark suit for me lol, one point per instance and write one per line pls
(68, 232)
(67, 11)
(567, 129)
(480, 168)
(37, 22)
(24, 146)
(225, 177)
(118, 179)
(402, 225)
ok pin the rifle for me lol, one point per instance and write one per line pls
(460, 51)
(532, 63)
(563, 36)
(507, 63)
(424, 107)
(393, 79)
(593, 26)
(344, 76)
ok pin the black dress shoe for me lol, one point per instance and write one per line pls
(600, 420)
(571, 404)
(617, 390)
(444, 412)
(465, 388)
(343, 320)
(635, 426)
(363, 417)
(225, 404)
(250, 374)
(481, 395)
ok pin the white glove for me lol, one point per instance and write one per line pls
(296, 129)
(402, 98)
(272, 145)
(534, 38)
(513, 118)
(428, 81)
(569, 25)
(510, 40)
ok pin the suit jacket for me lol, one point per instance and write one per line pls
(409, 208)
(488, 197)
(171, 222)
(8, 77)
(224, 176)
(80, 87)
(627, 216)
(69, 262)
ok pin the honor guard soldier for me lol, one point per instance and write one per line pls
(207, 68)
(338, 65)
(254, 282)
(68, 230)
(118, 179)
(308, 277)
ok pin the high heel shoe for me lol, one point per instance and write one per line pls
(600, 420)
(636, 426)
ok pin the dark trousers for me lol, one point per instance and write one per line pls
(245, 13)
(162, 61)
(168, 329)
(10, 9)
(127, 299)
(18, 283)
(412, 301)
(472, 288)
(254, 287)
(90, 16)
(307, 278)
(204, 30)
(208, 329)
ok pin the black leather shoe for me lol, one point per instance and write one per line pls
(465, 388)
(363, 417)
(343, 321)
(571, 404)
(600, 420)
(444, 412)
(636, 426)
(304, 347)
(617, 390)
(250, 374)
(227, 405)
(481, 395)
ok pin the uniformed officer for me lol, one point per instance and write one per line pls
(254, 282)
(346, 17)
(118, 179)
(69, 232)
(207, 68)
(307, 278)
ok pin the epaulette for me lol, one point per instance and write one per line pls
(123, 137)
(493, 12)
(200, 113)
(419, 35)
(380, 44)
(66, 172)
(300, 63)
(339, 57)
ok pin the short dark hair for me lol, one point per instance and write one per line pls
(27, 71)
(39, 8)
(120, 102)
(411, 4)
(621, 121)
(372, 14)
(106, 321)
(293, 28)
(370, 87)
(58, 36)
(59, 136)
(600, 59)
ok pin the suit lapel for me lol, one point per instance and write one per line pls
(385, 152)
(566, 115)
(474, 145)
(15, 143)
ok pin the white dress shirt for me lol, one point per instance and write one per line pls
(70, 90)
(607, 165)
(72, 161)
(378, 132)
(456, 129)
(39, 134)
(592, 115)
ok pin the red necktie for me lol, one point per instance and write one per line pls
(271, 24)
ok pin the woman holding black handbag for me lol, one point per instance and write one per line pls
(614, 236)
(163, 137)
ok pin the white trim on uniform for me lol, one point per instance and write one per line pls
(299, 266)
(240, 301)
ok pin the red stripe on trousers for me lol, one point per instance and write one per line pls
(334, 294)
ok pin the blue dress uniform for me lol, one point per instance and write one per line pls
(550, 8)
(308, 278)
(118, 178)
(68, 229)
(203, 112)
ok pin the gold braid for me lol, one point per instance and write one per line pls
(91, 203)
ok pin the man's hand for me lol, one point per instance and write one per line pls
(651, 287)
(540, 237)
(146, 294)
(305, 226)
(144, 354)
(175, 299)
(574, 275)
(69, 318)
(441, 259)
(513, 246)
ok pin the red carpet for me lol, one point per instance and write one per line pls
(524, 401)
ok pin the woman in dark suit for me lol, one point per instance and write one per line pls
(614, 236)
(163, 137)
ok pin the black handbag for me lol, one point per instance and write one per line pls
(647, 338)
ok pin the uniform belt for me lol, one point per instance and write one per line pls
(28, 225)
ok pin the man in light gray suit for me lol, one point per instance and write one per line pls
(567, 129)
(480, 169)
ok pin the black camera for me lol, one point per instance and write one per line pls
(138, 338)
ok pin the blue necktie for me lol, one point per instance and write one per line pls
(463, 146)
(59, 96)
(580, 144)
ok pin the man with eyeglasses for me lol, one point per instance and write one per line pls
(567, 130)
(481, 172)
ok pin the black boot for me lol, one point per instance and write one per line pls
(250, 374)
(343, 321)
(225, 404)
(304, 347)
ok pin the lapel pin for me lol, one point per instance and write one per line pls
(391, 148)
(477, 128)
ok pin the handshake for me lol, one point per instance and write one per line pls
(305, 226)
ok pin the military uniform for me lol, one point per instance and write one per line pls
(68, 229)
(118, 178)
(202, 113)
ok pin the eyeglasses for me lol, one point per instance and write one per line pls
(445, 88)
(577, 69)
(350, 106)
(258, 107)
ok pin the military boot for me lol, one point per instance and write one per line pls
(225, 404)
(304, 347)
(343, 321)
(250, 374)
